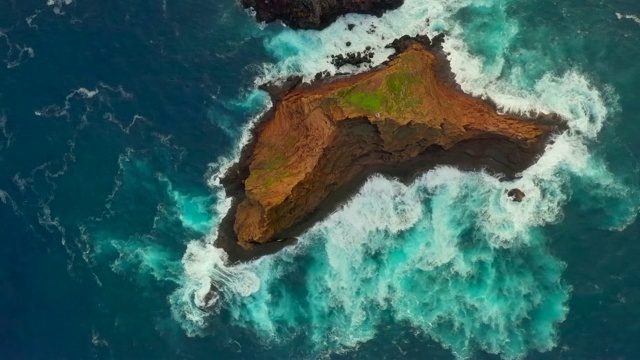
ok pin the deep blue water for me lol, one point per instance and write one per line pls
(116, 117)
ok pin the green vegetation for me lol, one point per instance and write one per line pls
(364, 99)
(273, 169)
(399, 88)
(395, 96)
(397, 83)
(268, 182)
(270, 178)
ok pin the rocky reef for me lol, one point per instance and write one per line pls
(321, 141)
(315, 14)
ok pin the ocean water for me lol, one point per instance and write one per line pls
(118, 118)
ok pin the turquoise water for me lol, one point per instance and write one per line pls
(117, 120)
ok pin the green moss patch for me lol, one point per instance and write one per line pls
(392, 95)
(371, 100)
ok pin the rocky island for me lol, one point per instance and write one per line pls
(315, 14)
(321, 141)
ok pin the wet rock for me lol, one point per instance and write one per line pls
(356, 59)
(211, 297)
(516, 195)
(321, 75)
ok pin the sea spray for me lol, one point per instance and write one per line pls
(449, 254)
(206, 269)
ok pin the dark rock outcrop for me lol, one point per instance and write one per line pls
(516, 195)
(356, 59)
(315, 14)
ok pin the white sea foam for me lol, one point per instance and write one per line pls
(83, 94)
(59, 5)
(6, 134)
(125, 129)
(6, 199)
(16, 53)
(635, 18)
(30, 19)
(208, 276)
(431, 217)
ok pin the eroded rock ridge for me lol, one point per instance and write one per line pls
(318, 144)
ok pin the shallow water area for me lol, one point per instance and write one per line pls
(117, 120)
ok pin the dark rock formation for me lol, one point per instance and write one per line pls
(353, 58)
(516, 195)
(315, 14)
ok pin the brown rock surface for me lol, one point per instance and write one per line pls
(315, 14)
(321, 141)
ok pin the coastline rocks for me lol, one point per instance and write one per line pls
(315, 14)
(321, 141)
(353, 58)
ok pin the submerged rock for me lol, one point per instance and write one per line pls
(210, 299)
(315, 14)
(516, 195)
(319, 143)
